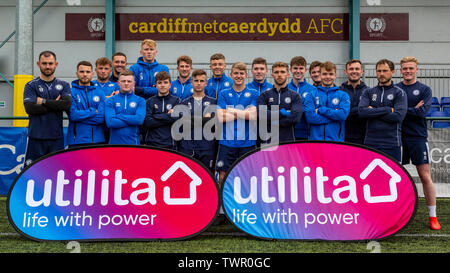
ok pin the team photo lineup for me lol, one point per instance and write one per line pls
(144, 105)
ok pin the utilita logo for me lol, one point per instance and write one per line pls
(113, 192)
(319, 190)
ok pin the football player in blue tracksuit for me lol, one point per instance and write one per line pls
(287, 102)
(158, 119)
(109, 88)
(202, 110)
(327, 107)
(87, 113)
(145, 70)
(103, 69)
(385, 107)
(301, 129)
(125, 112)
(259, 71)
(260, 86)
(217, 84)
(182, 90)
(45, 99)
(355, 126)
(181, 86)
(298, 84)
(236, 108)
(415, 132)
(219, 80)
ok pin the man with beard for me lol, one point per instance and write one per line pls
(103, 68)
(45, 98)
(182, 87)
(87, 113)
(219, 80)
(385, 107)
(355, 126)
(119, 63)
(281, 98)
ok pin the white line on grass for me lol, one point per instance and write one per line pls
(422, 235)
(399, 235)
(9, 234)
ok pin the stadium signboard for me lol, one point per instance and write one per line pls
(319, 191)
(237, 26)
(113, 192)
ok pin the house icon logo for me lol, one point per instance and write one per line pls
(194, 183)
(395, 178)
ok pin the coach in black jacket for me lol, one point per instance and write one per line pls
(280, 98)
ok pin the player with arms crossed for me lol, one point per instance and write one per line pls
(45, 99)
(125, 112)
(202, 110)
(384, 106)
(287, 102)
(87, 113)
(236, 107)
(327, 107)
(415, 132)
(146, 68)
(158, 119)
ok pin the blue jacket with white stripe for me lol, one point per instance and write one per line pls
(328, 122)
(86, 115)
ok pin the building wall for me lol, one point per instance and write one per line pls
(428, 32)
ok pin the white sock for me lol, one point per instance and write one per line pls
(432, 211)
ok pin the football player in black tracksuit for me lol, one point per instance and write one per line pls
(202, 110)
(385, 107)
(158, 119)
(415, 132)
(288, 101)
(45, 99)
(355, 126)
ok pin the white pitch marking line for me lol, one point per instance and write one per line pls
(422, 235)
(9, 234)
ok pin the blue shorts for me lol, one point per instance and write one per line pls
(206, 157)
(395, 152)
(228, 155)
(40, 147)
(416, 152)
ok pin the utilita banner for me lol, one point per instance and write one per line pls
(113, 193)
(319, 190)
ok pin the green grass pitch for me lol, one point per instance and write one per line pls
(414, 238)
